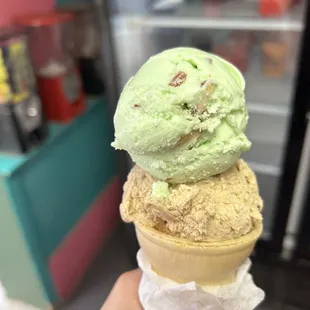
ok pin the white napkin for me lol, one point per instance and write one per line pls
(158, 293)
(4, 304)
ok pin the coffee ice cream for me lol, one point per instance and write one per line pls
(223, 207)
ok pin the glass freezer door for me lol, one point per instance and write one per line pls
(261, 37)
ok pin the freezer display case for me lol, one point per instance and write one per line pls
(265, 40)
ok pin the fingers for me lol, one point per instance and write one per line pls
(124, 294)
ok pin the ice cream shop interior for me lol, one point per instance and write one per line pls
(169, 138)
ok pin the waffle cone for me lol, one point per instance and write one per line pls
(206, 263)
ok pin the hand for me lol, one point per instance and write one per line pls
(124, 294)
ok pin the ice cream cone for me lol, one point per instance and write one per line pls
(206, 263)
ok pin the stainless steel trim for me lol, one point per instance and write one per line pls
(221, 23)
(110, 70)
(299, 196)
(107, 52)
(269, 109)
(265, 169)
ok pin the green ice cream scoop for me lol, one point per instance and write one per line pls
(182, 117)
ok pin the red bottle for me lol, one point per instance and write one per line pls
(273, 7)
(51, 43)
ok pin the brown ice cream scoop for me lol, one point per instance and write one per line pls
(223, 207)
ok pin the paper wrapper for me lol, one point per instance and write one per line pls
(156, 292)
(4, 303)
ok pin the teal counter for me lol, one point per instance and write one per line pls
(46, 193)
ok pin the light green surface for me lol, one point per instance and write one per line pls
(16, 269)
(160, 189)
(182, 117)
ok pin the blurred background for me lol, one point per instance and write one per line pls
(62, 66)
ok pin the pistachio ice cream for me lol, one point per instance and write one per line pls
(182, 117)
